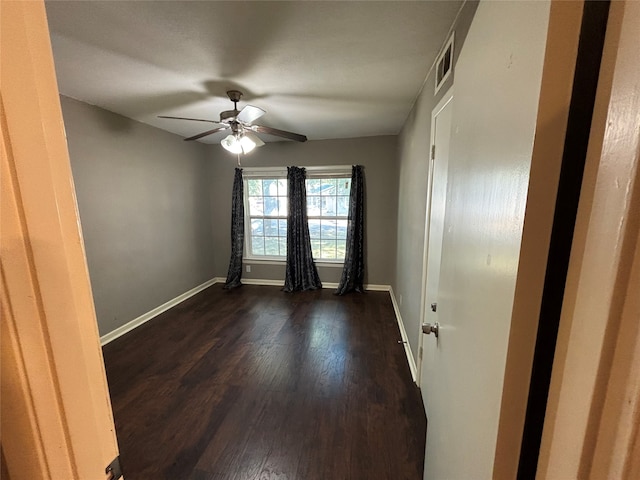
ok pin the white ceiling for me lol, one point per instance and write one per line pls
(323, 69)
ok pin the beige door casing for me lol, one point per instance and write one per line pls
(56, 413)
(592, 422)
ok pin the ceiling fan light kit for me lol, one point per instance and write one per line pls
(242, 139)
(235, 144)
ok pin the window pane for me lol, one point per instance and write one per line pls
(314, 228)
(328, 249)
(328, 186)
(327, 198)
(328, 228)
(283, 203)
(313, 206)
(271, 246)
(270, 187)
(343, 207)
(282, 187)
(255, 206)
(255, 187)
(257, 227)
(257, 245)
(315, 248)
(271, 227)
(328, 207)
(313, 186)
(271, 206)
(344, 186)
(282, 228)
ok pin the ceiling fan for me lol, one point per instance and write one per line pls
(242, 138)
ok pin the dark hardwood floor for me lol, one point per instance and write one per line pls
(255, 383)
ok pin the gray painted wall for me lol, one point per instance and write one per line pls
(154, 209)
(414, 152)
(378, 156)
(143, 196)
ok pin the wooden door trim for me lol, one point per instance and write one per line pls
(52, 327)
(587, 432)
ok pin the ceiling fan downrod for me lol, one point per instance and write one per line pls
(234, 96)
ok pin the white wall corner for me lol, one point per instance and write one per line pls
(405, 341)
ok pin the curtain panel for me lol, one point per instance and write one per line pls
(234, 274)
(301, 272)
(353, 271)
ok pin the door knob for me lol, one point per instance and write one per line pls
(434, 307)
(429, 328)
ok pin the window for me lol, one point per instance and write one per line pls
(328, 211)
(267, 202)
(266, 206)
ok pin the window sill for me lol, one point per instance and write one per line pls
(260, 261)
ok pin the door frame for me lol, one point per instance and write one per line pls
(592, 418)
(56, 418)
(446, 98)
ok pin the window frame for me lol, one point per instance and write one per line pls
(255, 173)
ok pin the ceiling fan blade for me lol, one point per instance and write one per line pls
(194, 119)
(256, 139)
(250, 113)
(204, 134)
(280, 133)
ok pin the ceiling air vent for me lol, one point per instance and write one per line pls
(444, 64)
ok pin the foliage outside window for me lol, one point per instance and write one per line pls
(327, 210)
(267, 202)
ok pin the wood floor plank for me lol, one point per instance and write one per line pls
(255, 383)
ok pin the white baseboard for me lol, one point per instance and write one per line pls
(332, 285)
(405, 340)
(136, 322)
(262, 281)
(278, 283)
(377, 288)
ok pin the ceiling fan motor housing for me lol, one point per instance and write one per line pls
(228, 115)
(234, 96)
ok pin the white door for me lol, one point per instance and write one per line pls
(433, 383)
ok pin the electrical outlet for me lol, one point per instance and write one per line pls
(400, 300)
(248, 267)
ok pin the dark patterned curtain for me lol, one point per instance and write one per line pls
(353, 271)
(301, 272)
(237, 233)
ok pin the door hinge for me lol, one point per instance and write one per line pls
(433, 152)
(113, 470)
